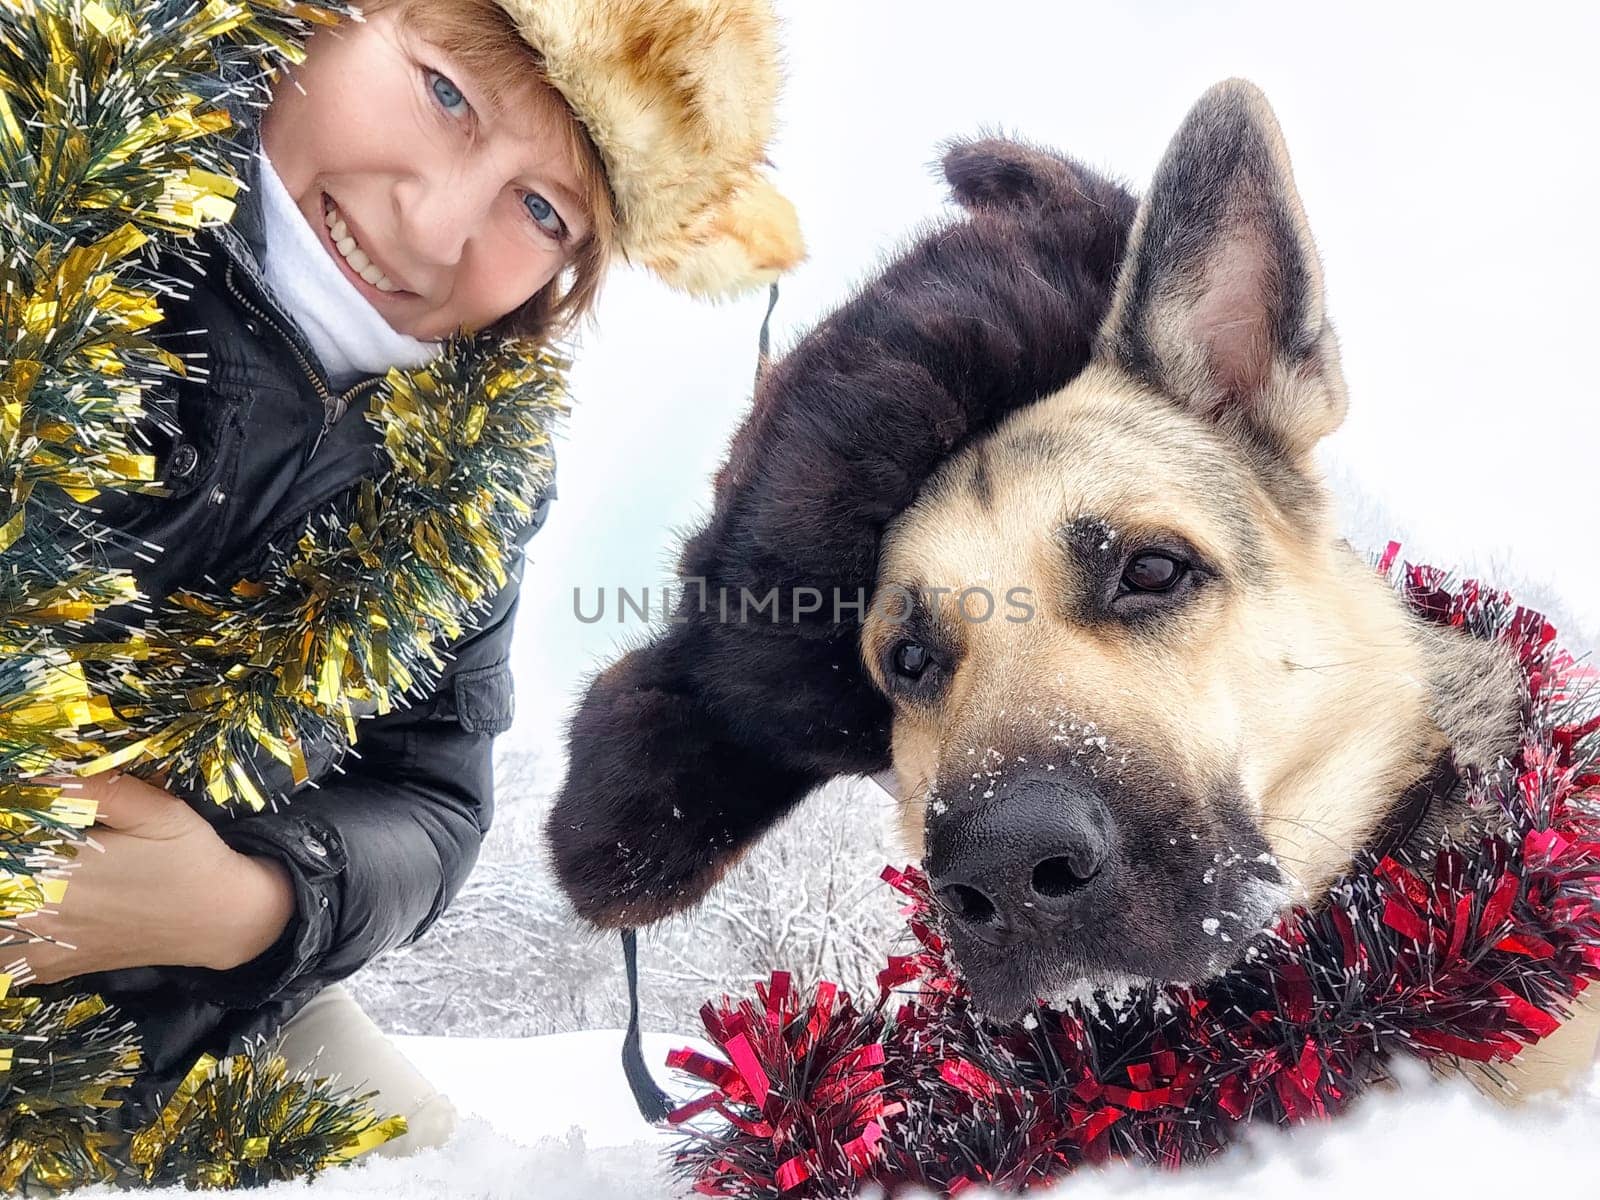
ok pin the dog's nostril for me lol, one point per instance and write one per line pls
(968, 903)
(1055, 878)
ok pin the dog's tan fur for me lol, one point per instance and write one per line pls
(1258, 664)
(1297, 674)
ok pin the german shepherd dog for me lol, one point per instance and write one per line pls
(1210, 704)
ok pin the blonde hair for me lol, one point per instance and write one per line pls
(482, 37)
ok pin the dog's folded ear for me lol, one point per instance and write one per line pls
(1219, 303)
(687, 750)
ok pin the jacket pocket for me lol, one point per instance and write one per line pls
(485, 701)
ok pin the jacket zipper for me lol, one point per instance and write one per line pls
(333, 406)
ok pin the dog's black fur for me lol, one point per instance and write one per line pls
(685, 751)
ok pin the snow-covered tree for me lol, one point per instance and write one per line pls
(509, 959)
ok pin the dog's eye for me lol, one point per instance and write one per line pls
(1152, 572)
(911, 660)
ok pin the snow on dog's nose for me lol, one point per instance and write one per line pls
(1020, 865)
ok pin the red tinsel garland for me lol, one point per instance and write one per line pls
(1471, 950)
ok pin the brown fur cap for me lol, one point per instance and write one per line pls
(678, 96)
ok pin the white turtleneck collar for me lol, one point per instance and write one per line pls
(349, 335)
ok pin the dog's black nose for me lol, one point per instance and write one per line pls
(1017, 865)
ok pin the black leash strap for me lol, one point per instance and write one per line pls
(765, 344)
(652, 1101)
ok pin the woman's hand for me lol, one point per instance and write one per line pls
(154, 885)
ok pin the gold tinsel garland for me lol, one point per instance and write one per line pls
(351, 619)
(110, 137)
(248, 1120)
(59, 1060)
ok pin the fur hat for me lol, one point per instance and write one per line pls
(678, 98)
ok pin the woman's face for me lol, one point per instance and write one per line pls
(449, 214)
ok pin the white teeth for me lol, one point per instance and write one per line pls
(353, 254)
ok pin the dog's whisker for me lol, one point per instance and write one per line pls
(1328, 666)
(1344, 663)
(1337, 843)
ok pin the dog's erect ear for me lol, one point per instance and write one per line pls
(1219, 301)
(996, 173)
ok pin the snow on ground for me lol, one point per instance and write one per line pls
(550, 1119)
(529, 1089)
(547, 1118)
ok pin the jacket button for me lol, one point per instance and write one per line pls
(218, 495)
(184, 460)
(315, 846)
(254, 328)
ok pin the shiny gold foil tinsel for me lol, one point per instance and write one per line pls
(60, 1063)
(248, 1120)
(112, 146)
(352, 618)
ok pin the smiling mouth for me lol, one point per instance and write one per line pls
(357, 265)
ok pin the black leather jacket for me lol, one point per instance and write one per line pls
(379, 849)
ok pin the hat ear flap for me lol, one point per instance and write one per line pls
(1000, 173)
(660, 799)
(744, 243)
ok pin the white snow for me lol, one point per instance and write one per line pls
(548, 1117)
(551, 1120)
(567, 1080)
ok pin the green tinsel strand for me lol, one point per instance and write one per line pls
(249, 1121)
(66, 1060)
(351, 618)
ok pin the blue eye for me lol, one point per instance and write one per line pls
(543, 212)
(446, 93)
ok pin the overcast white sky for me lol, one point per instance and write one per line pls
(1446, 155)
